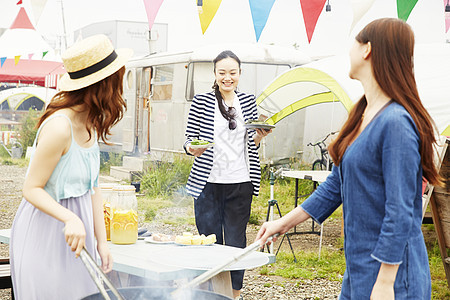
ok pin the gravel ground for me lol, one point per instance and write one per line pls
(11, 181)
(256, 286)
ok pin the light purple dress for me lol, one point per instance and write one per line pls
(42, 264)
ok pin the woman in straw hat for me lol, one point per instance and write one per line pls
(62, 209)
(380, 156)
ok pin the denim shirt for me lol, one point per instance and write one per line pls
(379, 184)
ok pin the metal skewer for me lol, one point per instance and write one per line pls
(216, 270)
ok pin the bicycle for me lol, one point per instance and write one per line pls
(324, 161)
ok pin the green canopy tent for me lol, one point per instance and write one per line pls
(308, 102)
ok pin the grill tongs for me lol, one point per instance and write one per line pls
(98, 276)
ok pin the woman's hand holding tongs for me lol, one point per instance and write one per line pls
(75, 234)
(282, 225)
(106, 257)
(270, 229)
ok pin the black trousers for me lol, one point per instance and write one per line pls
(224, 209)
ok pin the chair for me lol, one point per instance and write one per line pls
(5, 275)
(439, 199)
(441, 149)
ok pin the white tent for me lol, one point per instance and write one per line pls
(26, 57)
(22, 39)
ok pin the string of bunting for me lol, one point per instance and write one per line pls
(260, 11)
(17, 58)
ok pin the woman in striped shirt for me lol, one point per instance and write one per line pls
(224, 177)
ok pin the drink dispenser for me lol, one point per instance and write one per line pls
(124, 218)
(107, 190)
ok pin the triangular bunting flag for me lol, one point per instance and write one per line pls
(260, 13)
(208, 12)
(22, 21)
(2, 61)
(16, 59)
(447, 16)
(404, 8)
(19, 3)
(38, 7)
(359, 7)
(30, 55)
(152, 7)
(44, 54)
(311, 10)
(447, 22)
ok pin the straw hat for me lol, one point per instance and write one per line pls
(91, 60)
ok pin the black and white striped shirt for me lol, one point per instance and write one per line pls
(200, 125)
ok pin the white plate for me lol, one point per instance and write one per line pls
(261, 126)
(192, 245)
(201, 146)
(150, 239)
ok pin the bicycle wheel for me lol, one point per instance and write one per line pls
(318, 165)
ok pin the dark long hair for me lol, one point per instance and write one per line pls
(103, 100)
(222, 55)
(392, 42)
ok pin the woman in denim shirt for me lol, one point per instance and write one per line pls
(380, 156)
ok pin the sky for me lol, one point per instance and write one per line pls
(233, 21)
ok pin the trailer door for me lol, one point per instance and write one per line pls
(129, 117)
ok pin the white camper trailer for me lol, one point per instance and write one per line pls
(159, 89)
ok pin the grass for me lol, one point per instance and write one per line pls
(176, 220)
(165, 179)
(283, 190)
(330, 266)
(5, 159)
(151, 206)
(108, 159)
(439, 286)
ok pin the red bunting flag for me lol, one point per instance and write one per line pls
(19, 3)
(311, 10)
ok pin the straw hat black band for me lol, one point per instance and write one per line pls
(94, 68)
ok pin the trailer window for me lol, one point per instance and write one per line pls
(129, 79)
(200, 78)
(162, 82)
(254, 77)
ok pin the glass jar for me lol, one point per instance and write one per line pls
(124, 218)
(107, 191)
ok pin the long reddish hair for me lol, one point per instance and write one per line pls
(392, 42)
(103, 100)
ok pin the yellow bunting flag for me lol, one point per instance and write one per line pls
(16, 59)
(207, 12)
